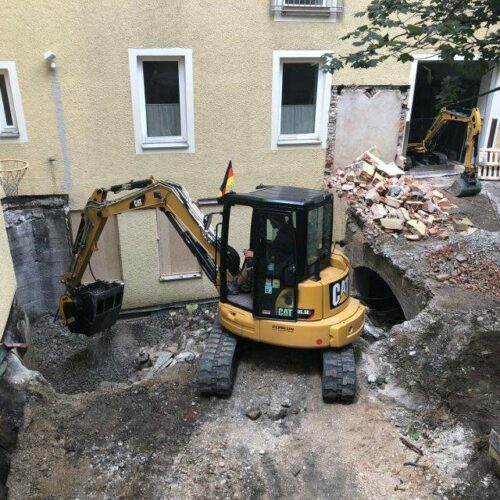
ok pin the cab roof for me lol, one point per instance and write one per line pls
(278, 197)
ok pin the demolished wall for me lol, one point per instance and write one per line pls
(364, 116)
(39, 238)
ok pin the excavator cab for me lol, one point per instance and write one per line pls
(291, 233)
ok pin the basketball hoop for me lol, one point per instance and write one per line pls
(11, 173)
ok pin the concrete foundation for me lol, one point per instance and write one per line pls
(362, 117)
(39, 238)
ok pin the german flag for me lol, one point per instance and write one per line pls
(228, 182)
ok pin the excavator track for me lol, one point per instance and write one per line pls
(217, 367)
(338, 378)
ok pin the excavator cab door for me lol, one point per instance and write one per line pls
(275, 275)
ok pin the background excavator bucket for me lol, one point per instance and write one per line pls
(465, 186)
(92, 308)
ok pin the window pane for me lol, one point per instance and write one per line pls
(161, 86)
(5, 100)
(298, 102)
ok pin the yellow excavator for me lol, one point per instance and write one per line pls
(299, 295)
(468, 184)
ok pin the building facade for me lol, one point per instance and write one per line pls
(101, 92)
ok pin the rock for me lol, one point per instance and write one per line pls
(372, 196)
(348, 186)
(389, 169)
(253, 413)
(395, 224)
(185, 356)
(350, 176)
(143, 359)
(372, 378)
(395, 191)
(367, 170)
(381, 380)
(373, 331)
(460, 257)
(412, 353)
(164, 361)
(417, 226)
(429, 207)
(412, 237)
(405, 213)
(191, 308)
(392, 202)
(443, 277)
(277, 413)
(378, 211)
(462, 224)
(286, 403)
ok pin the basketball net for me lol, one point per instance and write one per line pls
(11, 173)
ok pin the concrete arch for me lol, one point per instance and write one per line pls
(411, 298)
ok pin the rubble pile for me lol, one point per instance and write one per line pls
(454, 267)
(385, 199)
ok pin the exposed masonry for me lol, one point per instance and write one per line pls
(39, 238)
(370, 91)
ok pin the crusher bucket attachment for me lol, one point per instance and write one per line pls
(92, 308)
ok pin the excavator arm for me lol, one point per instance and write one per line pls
(90, 308)
(443, 118)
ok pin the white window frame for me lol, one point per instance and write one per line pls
(318, 138)
(16, 132)
(143, 143)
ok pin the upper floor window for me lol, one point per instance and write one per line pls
(301, 97)
(306, 10)
(162, 98)
(12, 124)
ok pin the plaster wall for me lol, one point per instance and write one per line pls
(232, 43)
(7, 276)
(365, 117)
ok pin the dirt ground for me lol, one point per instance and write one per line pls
(119, 415)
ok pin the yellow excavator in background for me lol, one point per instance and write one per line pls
(468, 184)
(300, 293)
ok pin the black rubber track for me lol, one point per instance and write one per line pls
(217, 367)
(338, 377)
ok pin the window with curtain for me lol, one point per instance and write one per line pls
(298, 98)
(162, 98)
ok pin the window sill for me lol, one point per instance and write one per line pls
(178, 277)
(165, 145)
(299, 142)
(9, 135)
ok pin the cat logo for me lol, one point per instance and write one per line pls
(339, 292)
(138, 202)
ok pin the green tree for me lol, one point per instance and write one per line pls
(398, 28)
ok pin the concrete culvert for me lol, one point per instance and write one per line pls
(374, 292)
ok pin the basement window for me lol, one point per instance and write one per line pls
(162, 97)
(11, 113)
(176, 261)
(301, 97)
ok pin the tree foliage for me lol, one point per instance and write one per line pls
(397, 29)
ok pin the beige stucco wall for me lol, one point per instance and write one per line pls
(232, 42)
(7, 276)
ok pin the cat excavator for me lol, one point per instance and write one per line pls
(468, 184)
(299, 295)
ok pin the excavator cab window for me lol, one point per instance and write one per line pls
(274, 243)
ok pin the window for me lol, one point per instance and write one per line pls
(162, 99)
(319, 235)
(12, 124)
(306, 10)
(176, 261)
(301, 97)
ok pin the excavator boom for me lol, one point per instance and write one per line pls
(93, 307)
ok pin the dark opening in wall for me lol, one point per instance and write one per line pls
(384, 308)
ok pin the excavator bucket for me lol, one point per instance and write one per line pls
(92, 308)
(465, 186)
